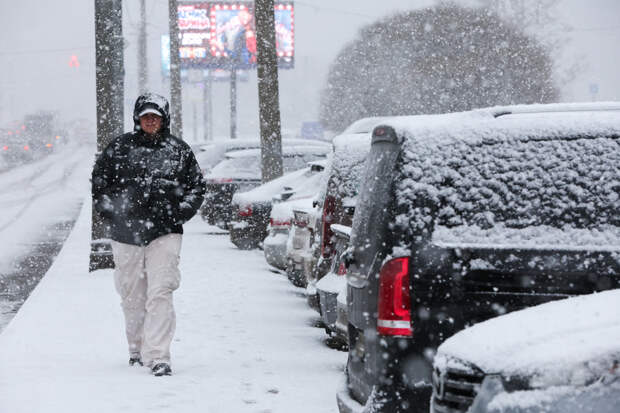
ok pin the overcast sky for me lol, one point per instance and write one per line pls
(38, 38)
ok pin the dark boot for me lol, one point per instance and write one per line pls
(161, 369)
(135, 360)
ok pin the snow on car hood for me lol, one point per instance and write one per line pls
(304, 183)
(568, 342)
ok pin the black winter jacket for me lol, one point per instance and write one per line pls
(146, 187)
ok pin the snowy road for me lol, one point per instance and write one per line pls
(38, 190)
(39, 202)
(244, 340)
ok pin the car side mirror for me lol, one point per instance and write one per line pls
(286, 194)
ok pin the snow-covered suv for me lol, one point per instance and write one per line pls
(466, 216)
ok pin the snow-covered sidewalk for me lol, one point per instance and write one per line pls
(244, 340)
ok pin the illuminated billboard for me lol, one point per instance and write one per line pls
(217, 74)
(194, 32)
(285, 33)
(221, 35)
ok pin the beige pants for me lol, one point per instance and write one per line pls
(145, 278)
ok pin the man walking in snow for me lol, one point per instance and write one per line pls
(145, 185)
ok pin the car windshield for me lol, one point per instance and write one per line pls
(233, 167)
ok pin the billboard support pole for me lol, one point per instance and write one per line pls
(207, 108)
(142, 55)
(233, 102)
(268, 93)
(176, 109)
(110, 86)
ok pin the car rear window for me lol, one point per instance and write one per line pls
(529, 191)
(346, 166)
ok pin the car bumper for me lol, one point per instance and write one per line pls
(294, 271)
(346, 404)
(599, 397)
(275, 250)
(342, 319)
(387, 400)
(313, 297)
(327, 301)
(328, 288)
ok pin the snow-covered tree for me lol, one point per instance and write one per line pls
(440, 59)
(540, 19)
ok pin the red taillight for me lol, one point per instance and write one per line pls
(394, 299)
(219, 180)
(246, 211)
(275, 223)
(329, 207)
(5, 148)
(26, 148)
(342, 269)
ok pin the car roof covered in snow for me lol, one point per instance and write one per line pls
(364, 125)
(246, 164)
(304, 196)
(509, 123)
(568, 342)
(209, 154)
(286, 151)
(521, 175)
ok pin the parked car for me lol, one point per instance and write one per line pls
(466, 216)
(240, 171)
(305, 248)
(336, 201)
(299, 248)
(334, 285)
(211, 153)
(251, 209)
(555, 358)
(280, 224)
(281, 218)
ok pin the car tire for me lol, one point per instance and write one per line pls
(245, 243)
(295, 277)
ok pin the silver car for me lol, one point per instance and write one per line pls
(334, 285)
(300, 194)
